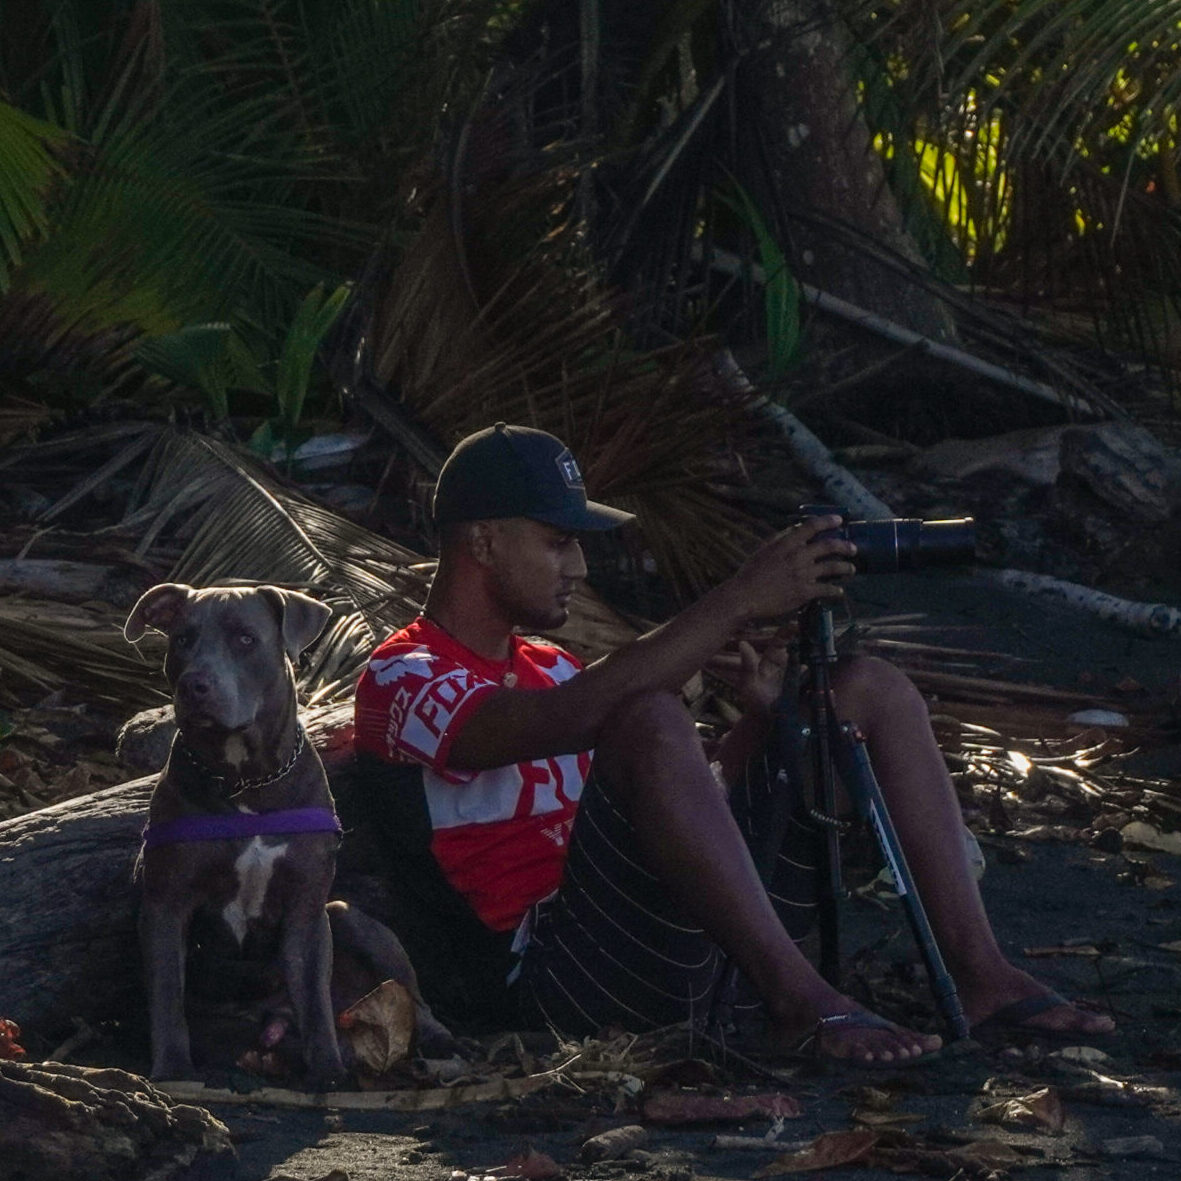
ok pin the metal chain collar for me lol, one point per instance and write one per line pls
(245, 784)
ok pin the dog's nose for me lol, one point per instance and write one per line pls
(195, 685)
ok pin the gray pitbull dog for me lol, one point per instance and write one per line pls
(242, 834)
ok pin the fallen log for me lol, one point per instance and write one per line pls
(72, 582)
(1151, 619)
(77, 1124)
(67, 929)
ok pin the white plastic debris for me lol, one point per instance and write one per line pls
(1098, 717)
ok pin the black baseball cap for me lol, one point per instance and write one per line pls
(517, 471)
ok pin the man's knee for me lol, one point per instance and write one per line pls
(867, 687)
(643, 727)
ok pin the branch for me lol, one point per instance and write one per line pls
(840, 485)
(1154, 619)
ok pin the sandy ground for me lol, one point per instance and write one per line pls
(1121, 1098)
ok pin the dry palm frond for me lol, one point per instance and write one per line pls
(231, 520)
(50, 646)
(243, 524)
(476, 328)
(21, 418)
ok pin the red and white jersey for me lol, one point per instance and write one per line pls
(500, 836)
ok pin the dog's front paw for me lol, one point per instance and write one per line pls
(327, 1073)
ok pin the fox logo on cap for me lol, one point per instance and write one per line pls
(569, 469)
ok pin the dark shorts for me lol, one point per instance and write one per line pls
(611, 948)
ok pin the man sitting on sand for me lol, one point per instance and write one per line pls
(577, 813)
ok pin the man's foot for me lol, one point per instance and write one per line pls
(1042, 1014)
(1022, 1005)
(859, 1038)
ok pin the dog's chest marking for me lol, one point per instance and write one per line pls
(254, 867)
(235, 751)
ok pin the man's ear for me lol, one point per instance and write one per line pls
(479, 541)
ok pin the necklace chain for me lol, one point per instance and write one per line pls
(508, 679)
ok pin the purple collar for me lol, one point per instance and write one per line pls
(229, 826)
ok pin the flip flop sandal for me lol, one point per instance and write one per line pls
(1012, 1021)
(809, 1046)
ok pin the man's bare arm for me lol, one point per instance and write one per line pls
(789, 571)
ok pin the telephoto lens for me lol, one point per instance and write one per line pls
(903, 543)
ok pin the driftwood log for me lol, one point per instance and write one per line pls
(77, 1124)
(68, 946)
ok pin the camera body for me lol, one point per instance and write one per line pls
(902, 543)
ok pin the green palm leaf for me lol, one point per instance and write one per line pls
(29, 166)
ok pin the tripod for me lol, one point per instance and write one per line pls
(816, 752)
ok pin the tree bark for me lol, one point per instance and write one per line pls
(823, 167)
(67, 929)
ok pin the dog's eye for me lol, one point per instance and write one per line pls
(182, 639)
(246, 639)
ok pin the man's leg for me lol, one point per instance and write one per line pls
(893, 716)
(651, 755)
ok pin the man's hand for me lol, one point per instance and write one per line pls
(786, 573)
(760, 680)
(793, 569)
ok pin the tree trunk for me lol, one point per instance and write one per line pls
(824, 170)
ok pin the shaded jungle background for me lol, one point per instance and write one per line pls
(263, 262)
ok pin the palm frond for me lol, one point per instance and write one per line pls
(243, 524)
(47, 647)
(1045, 138)
(28, 169)
(482, 323)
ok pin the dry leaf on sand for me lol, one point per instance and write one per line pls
(828, 1151)
(532, 1165)
(688, 1107)
(380, 1026)
(886, 1119)
(1041, 1110)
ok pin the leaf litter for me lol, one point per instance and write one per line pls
(1023, 772)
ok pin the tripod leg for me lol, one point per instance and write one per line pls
(857, 775)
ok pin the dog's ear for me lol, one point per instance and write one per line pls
(156, 608)
(301, 618)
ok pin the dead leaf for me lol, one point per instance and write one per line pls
(1041, 1110)
(980, 1159)
(1086, 1055)
(9, 1032)
(993, 1154)
(828, 1151)
(1086, 951)
(1051, 832)
(380, 1026)
(613, 1144)
(873, 1099)
(688, 1107)
(886, 1119)
(532, 1165)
